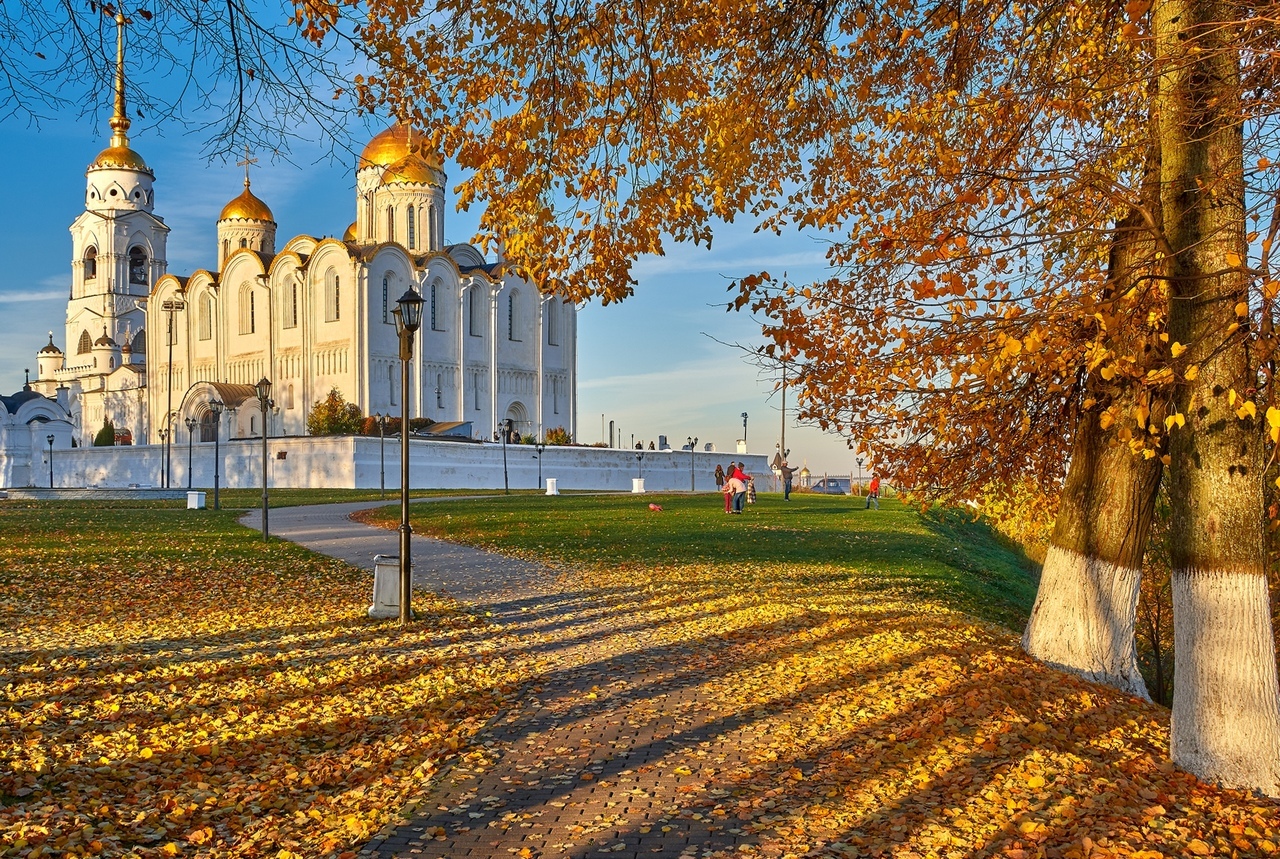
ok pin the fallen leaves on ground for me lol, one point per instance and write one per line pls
(171, 690)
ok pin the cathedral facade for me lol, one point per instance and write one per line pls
(151, 351)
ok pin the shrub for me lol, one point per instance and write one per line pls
(106, 436)
(558, 435)
(334, 416)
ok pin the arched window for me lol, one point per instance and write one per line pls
(391, 224)
(512, 305)
(411, 223)
(91, 263)
(139, 342)
(474, 311)
(435, 317)
(226, 248)
(553, 323)
(85, 344)
(246, 309)
(332, 296)
(386, 298)
(288, 396)
(244, 243)
(432, 217)
(439, 392)
(138, 266)
(206, 317)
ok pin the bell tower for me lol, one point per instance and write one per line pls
(118, 243)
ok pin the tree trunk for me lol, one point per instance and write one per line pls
(1085, 613)
(1226, 700)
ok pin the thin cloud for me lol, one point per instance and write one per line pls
(23, 296)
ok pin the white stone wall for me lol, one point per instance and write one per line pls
(345, 462)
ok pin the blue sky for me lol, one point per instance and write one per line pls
(652, 363)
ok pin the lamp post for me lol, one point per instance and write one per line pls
(693, 441)
(169, 306)
(49, 438)
(408, 316)
(744, 431)
(264, 402)
(191, 435)
(539, 447)
(505, 430)
(215, 406)
(639, 464)
(859, 476)
(164, 462)
(382, 454)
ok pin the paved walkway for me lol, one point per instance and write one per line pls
(606, 751)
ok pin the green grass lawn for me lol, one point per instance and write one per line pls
(941, 555)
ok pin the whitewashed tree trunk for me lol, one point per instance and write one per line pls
(1085, 615)
(1083, 620)
(1226, 715)
(1226, 699)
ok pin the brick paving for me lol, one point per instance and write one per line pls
(622, 745)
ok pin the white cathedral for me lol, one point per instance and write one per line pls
(148, 350)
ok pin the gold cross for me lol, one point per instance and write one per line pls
(245, 164)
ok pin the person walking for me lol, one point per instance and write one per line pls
(719, 477)
(787, 473)
(873, 492)
(751, 490)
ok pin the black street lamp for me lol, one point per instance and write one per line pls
(744, 430)
(408, 316)
(639, 464)
(859, 492)
(191, 434)
(164, 462)
(49, 438)
(539, 447)
(264, 403)
(693, 441)
(382, 454)
(215, 407)
(505, 430)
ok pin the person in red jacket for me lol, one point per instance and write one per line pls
(873, 492)
(739, 495)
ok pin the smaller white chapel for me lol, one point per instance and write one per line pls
(147, 349)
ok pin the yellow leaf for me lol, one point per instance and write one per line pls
(1273, 417)
(1232, 396)
(145, 754)
(1035, 781)
(1012, 346)
(1242, 309)
(1247, 410)
(1106, 419)
(1177, 349)
(1270, 288)
(1191, 373)
(1107, 373)
(1175, 418)
(1233, 259)
(171, 849)
(1140, 414)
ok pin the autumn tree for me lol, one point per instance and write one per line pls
(334, 416)
(1226, 699)
(970, 165)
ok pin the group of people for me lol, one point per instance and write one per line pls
(739, 488)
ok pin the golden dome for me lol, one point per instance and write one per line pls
(120, 157)
(411, 169)
(392, 145)
(246, 207)
(350, 234)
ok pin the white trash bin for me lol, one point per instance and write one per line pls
(552, 489)
(195, 500)
(386, 586)
(637, 485)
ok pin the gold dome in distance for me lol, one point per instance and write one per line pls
(350, 234)
(393, 145)
(246, 207)
(119, 157)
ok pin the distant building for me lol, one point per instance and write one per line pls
(310, 315)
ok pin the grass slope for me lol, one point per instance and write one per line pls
(941, 555)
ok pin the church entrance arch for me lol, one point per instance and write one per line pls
(519, 418)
